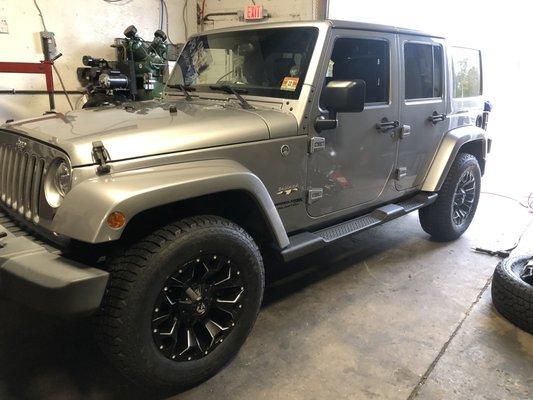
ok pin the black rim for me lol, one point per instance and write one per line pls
(197, 307)
(527, 272)
(463, 200)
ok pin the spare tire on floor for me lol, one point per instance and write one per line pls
(512, 291)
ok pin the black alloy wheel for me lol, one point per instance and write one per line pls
(197, 307)
(181, 302)
(465, 195)
(453, 211)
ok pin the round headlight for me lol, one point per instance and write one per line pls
(62, 178)
(57, 183)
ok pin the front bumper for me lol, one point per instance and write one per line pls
(39, 276)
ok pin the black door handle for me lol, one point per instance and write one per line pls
(385, 125)
(436, 117)
(323, 124)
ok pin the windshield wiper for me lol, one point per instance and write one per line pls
(235, 92)
(185, 89)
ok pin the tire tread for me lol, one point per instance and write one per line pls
(435, 218)
(125, 269)
(511, 296)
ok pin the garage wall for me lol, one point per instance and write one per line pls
(89, 26)
(81, 27)
(280, 10)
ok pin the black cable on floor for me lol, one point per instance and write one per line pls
(528, 205)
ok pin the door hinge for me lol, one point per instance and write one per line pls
(405, 131)
(100, 156)
(317, 143)
(400, 173)
(314, 195)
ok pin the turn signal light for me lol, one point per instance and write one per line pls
(116, 220)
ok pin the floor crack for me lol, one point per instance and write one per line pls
(432, 366)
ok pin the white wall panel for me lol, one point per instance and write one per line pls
(281, 10)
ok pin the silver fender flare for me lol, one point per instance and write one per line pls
(449, 148)
(86, 207)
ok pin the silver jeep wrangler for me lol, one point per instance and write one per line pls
(272, 139)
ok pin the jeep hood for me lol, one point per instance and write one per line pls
(155, 127)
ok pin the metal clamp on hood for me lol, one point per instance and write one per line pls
(100, 156)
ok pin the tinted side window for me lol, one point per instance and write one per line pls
(364, 59)
(466, 72)
(423, 71)
(438, 74)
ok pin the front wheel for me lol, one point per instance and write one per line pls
(450, 216)
(181, 302)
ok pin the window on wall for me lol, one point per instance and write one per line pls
(364, 59)
(466, 72)
(423, 71)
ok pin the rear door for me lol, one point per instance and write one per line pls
(422, 107)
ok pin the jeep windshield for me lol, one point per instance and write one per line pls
(261, 62)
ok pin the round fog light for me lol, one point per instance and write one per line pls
(116, 220)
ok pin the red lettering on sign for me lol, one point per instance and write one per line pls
(253, 12)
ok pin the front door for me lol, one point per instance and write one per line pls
(423, 107)
(360, 153)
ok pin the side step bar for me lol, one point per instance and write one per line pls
(307, 242)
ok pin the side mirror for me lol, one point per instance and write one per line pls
(341, 96)
(344, 96)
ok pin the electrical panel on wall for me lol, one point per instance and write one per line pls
(4, 28)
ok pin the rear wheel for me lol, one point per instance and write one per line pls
(450, 216)
(181, 302)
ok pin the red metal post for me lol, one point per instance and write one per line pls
(43, 68)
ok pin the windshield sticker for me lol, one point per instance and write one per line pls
(195, 59)
(290, 83)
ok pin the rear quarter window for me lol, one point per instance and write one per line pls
(423, 70)
(467, 80)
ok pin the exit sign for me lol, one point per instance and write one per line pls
(253, 12)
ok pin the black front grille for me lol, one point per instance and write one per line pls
(12, 226)
(20, 229)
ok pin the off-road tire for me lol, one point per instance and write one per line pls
(511, 295)
(437, 218)
(123, 324)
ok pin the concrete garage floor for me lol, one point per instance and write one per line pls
(388, 314)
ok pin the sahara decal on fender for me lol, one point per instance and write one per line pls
(287, 190)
